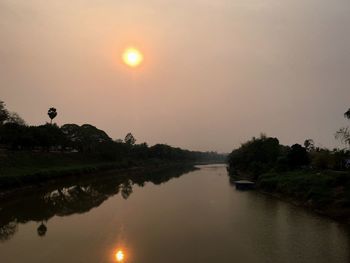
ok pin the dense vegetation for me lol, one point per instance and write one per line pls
(316, 177)
(49, 148)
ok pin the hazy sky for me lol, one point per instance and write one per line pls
(215, 72)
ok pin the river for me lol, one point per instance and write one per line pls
(171, 216)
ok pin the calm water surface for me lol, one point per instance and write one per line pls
(177, 216)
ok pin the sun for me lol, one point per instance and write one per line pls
(132, 57)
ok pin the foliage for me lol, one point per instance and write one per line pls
(316, 188)
(347, 114)
(13, 117)
(9, 117)
(3, 112)
(309, 145)
(130, 139)
(13, 135)
(326, 159)
(256, 156)
(85, 138)
(52, 112)
(343, 134)
(264, 154)
(297, 156)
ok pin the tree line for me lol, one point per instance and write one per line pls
(86, 139)
(265, 154)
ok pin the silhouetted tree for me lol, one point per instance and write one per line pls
(14, 117)
(255, 157)
(13, 135)
(3, 112)
(52, 112)
(347, 114)
(130, 139)
(297, 156)
(309, 145)
(343, 134)
(86, 137)
(48, 135)
(9, 117)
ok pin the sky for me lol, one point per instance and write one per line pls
(215, 73)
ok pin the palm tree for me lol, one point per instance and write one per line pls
(52, 112)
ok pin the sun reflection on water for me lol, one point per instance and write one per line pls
(119, 255)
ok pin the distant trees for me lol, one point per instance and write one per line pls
(265, 154)
(9, 117)
(256, 156)
(343, 134)
(52, 112)
(14, 117)
(18, 137)
(347, 114)
(87, 140)
(130, 139)
(3, 112)
(309, 145)
(297, 156)
(13, 135)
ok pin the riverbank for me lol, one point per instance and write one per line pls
(19, 171)
(325, 192)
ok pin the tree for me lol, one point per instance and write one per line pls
(3, 112)
(343, 134)
(13, 117)
(48, 136)
(13, 135)
(309, 145)
(86, 137)
(52, 112)
(130, 139)
(255, 157)
(347, 114)
(9, 117)
(297, 156)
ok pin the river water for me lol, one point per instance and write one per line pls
(165, 217)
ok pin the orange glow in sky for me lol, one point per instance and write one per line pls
(132, 57)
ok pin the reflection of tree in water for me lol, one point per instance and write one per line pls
(8, 230)
(65, 200)
(126, 189)
(42, 229)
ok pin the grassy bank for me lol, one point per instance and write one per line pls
(18, 169)
(327, 192)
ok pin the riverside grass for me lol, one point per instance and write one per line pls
(326, 191)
